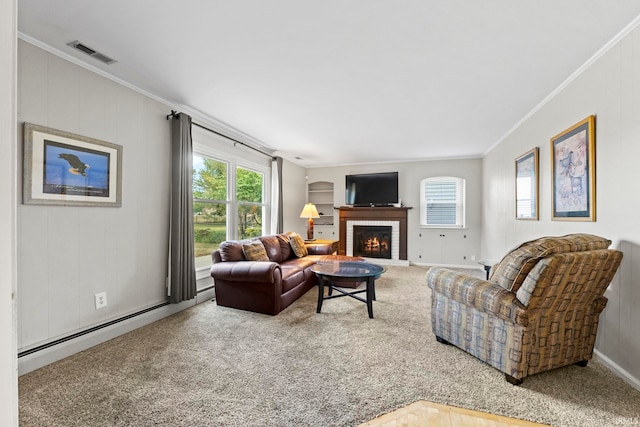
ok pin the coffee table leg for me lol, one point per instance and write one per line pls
(370, 296)
(320, 294)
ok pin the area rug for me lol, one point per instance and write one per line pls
(425, 413)
(217, 366)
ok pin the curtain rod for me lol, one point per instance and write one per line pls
(174, 114)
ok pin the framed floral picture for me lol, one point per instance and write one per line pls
(573, 172)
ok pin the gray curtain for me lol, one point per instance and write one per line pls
(276, 165)
(182, 270)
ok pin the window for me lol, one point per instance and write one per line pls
(525, 197)
(249, 186)
(224, 206)
(231, 194)
(209, 207)
(442, 201)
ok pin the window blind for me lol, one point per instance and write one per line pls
(443, 201)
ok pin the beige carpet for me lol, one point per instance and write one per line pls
(215, 366)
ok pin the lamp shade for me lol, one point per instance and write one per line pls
(309, 211)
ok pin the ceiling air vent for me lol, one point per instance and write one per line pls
(86, 49)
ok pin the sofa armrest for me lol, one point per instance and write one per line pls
(246, 271)
(320, 248)
(481, 294)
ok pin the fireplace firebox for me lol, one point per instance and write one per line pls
(372, 241)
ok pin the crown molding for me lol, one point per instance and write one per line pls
(196, 115)
(603, 50)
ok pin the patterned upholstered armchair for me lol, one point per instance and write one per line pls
(538, 311)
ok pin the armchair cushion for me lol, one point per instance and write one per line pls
(516, 265)
(574, 278)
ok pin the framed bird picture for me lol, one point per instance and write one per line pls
(573, 172)
(61, 168)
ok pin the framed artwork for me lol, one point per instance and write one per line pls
(527, 185)
(61, 168)
(573, 172)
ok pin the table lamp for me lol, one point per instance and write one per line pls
(309, 211)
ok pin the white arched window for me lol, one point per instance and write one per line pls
(442, 202)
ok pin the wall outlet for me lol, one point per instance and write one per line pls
(101, 300)
(473, 257)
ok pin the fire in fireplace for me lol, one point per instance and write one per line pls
(372, 241)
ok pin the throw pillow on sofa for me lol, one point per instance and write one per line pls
(255, 251)
(298, 246)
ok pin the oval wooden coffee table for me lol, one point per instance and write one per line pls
(333, 272)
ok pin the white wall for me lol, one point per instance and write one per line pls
(67, 254)
(424, 246)
(8, 257)
(609, 89)
(294, 187)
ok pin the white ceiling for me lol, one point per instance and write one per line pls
(339, 82)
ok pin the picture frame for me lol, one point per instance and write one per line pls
(573, 172)
(527, 185)
(62, 168)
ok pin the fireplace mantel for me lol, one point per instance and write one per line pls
(348, 213)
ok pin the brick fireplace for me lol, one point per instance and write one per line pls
(359, 225)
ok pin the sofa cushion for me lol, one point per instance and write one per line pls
(292, 276)
(272, 246)
(298, 246)
(516, 265)
(254, 251)
(285, 246)
(231, 250)
(302, 263)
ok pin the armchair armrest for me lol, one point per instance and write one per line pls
(245, 271)
(481, 294)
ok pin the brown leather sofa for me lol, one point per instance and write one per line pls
(264, 286)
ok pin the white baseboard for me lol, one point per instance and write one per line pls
(613, 367)
(207, 295)
(467, 266)
(43, 357)
(386, 261)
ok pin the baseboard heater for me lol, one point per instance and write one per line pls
(90, 330)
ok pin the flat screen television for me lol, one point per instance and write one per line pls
(372, 189)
